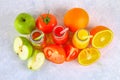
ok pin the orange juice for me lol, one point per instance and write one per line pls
(81, 39)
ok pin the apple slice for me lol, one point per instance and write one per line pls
(36, 61)
(23, 47)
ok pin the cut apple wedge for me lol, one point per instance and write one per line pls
(36, 61)
(23, 47)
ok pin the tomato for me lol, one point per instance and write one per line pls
(71, 52)
(55, 53)
(46, 22)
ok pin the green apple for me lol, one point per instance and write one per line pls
(36, 61)
(24, 23)
(23, 47)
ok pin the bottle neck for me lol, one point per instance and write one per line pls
(57, 32)
(82, 36)
(37, 36)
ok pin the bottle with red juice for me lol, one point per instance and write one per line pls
(60, 34)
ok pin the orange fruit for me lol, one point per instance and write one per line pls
(88, 56)
(102, 36)
(76, 18)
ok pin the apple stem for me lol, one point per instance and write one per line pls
(23, 20)
(64, 30)
(31, 68)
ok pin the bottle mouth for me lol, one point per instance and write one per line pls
(57, 30)
(83, 34)
(37, 36)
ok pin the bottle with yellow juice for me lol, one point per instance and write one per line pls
(81, 38)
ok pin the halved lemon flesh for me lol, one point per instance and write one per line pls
(102, 38)
(88, 56)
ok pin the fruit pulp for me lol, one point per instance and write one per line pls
(23, 47)
(36, 61)
(55, 53)
(88, 56)
(102, 36)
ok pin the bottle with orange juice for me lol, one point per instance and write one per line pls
(81, 38)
